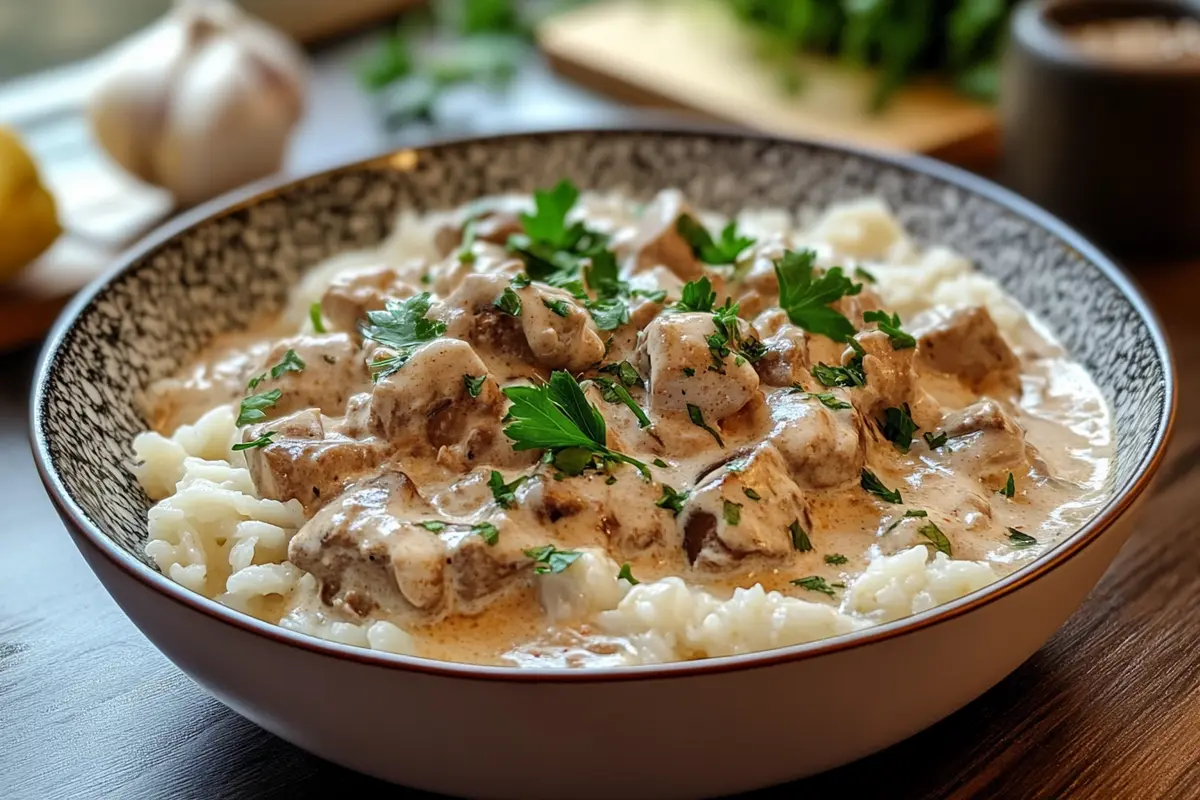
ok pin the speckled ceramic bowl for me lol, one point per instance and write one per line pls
(677, 730)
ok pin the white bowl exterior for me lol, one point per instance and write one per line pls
(709, 734)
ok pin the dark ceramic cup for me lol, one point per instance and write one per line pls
(1111, 146)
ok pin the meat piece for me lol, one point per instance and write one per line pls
(333, 370)
(822, 447)
(721, 524)
(303, 461)
(967, 344)
(490, 226)
(657, 242)
(786, 360)
(891, 381)
(676, 355)
(986, 441)
(355, 292)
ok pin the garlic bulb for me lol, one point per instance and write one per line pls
(200, 102)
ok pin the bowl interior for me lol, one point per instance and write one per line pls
(191, 282)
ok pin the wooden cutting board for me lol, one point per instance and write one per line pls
(696, 56)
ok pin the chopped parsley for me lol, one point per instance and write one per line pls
(1009, 488)
(800, 541)
(753, 495)
(1019, 538)
(935, 440)
(509, 302)
(848, 376)
(549, 559)
(697, 296)
(465, 254)
(401, 326)
(697, 418)
(912, 512)
(548, 223)
(934, 534)
(814, 583)
(689, 372)
(807, 301)
(261, 441)
(560, 307)
(486, 531)
(473, 384)
(290, 363)
(608, 314)
(891, 326)
(521, 281)
(862, 274)
(610, 309)
(433, 525)
(253, 408)
(626, 372)
(872, 484)
(314, 316)
(658, 462)
(505, 493)
(672, 500)
(828, 399)
(723, 250)
(728, 339)
(614, 392)
(626, 574)
(836, 559)
(898, 427)
(556, 416)
(732, 512)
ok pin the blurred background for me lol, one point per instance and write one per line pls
(117, 114)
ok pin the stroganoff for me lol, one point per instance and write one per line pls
(568, 430)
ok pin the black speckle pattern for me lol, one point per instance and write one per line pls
(153, 316)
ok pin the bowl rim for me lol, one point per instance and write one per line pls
(84, 531)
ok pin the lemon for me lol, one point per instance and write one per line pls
(28, 220)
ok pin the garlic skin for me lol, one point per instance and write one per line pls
(200, 102)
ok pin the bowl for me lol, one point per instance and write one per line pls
(1111, 145)
(676, 730)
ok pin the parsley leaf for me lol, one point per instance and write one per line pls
(548, 223)
(836, 559)
(697, 296)
(402, 326)
(732, 512)
(473, 384)
(505, 493)
(613, 392)
(753, 495)
(1019, 538)
(626, 372)
(314, 316)
(862, 274)
(608, 314)
(465, 254)
(261, 441)
(697, 418)
(290, 363)
(935, 441)
(891, 326)
(724, 250)
(898, 427)
(831, 401)
(800, 541)
(728, 339)
(433, 525)
(672, 500)
(626, 573)
(912, 512)
(814, 583)
(872, 484)
(806, 300)
(848, 376)
(934, 534)
(610, 309)
(1010, 487)
(253, 408)
(487, 531)
(549, 559)
(560, 307)
(509, 302)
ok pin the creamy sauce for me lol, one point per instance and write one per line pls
(370, 459)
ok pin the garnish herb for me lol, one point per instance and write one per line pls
(314, 316)
(290, 363)
(509, 302)
(934, 534)
(465, 254)
(626, 372)
(402, 326)
(658, 462)
(935, 441)
(728, 339)
(1019, 538)
(753, 495)
(912, 512)
(891, 326)
(486, 531)
(829, 400)
(872, 484)
(610, 309)
(505, 493)
(626, 573)
(814, 583)
(556, 416)
(521, 281)
(671, 500)
(1010, 487)
(732, 512)
(613, 392)
(862, 274)
(898, 427)
(697, 418)
(433, 525)
(800, 541)
(253, 408)
(836, 559)
(549, 559)
(697, 296)
(261, 441)
(723, 250)
(548, 223)
(559, 307)
(806, 300)
(688, 371)
(848, 376)
(473, 384)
